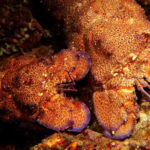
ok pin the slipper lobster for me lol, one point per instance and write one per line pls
(33, 89)
(116, 36)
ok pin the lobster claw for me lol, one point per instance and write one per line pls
(116, 111)
(32, 87)
(69, 66)
(76, 64)
(125, 130)
(62, 113)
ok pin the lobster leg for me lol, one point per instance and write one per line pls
(143, 84)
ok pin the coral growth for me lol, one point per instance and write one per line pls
(19, 31)
(32, 89)
(116, 35)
